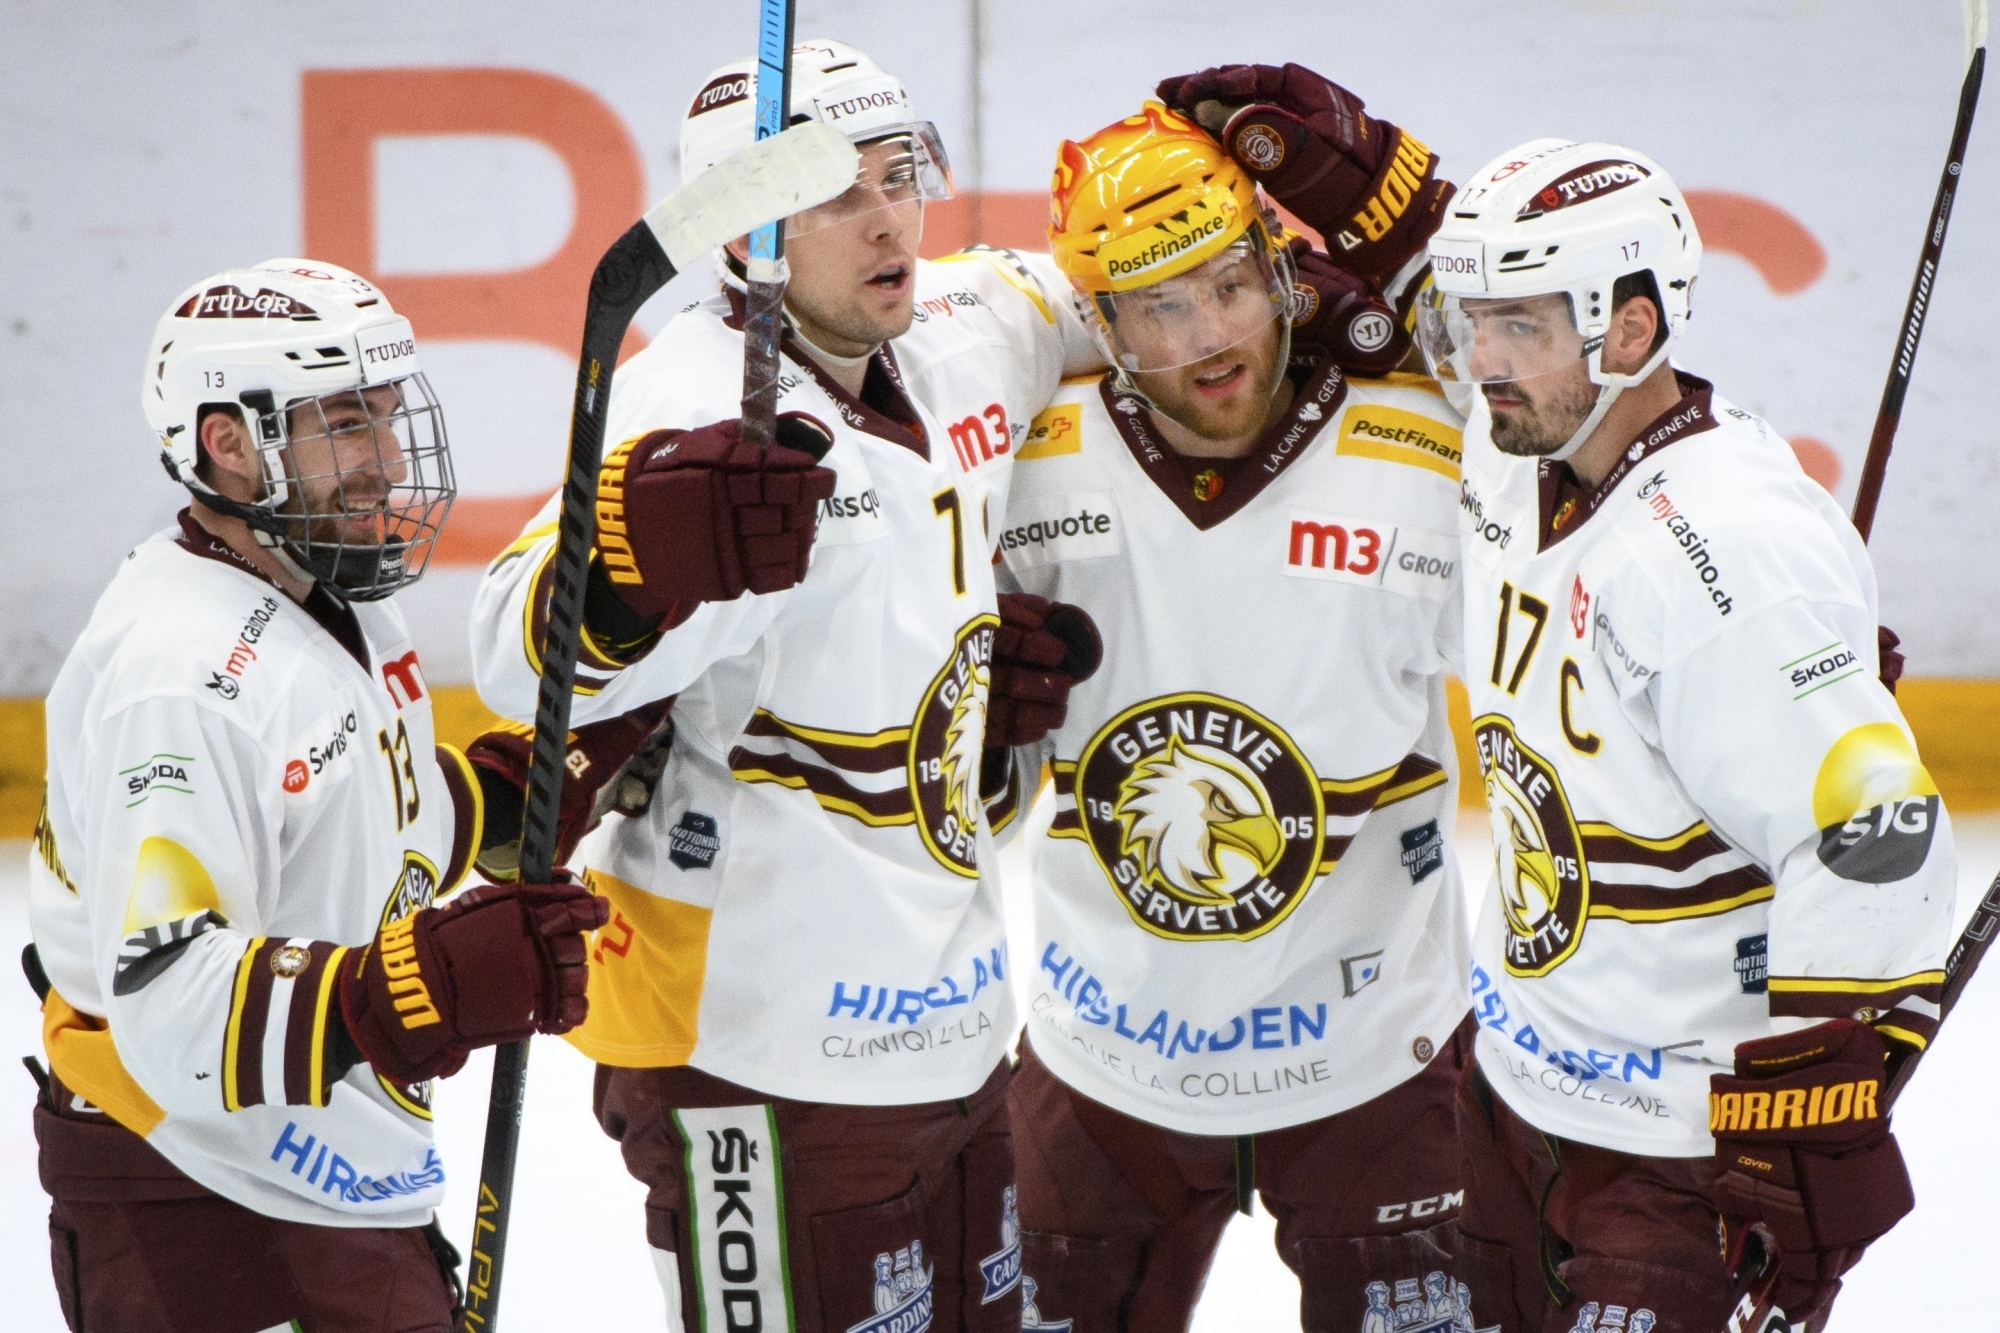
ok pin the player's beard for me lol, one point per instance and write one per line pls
(1549, 414)
(1240, 415)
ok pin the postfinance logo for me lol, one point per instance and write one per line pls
(1204, 814)
(1544, 883)
(1369, 430)
(1876, 806)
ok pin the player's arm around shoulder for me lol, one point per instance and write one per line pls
(1031, 304)
(1773, 719)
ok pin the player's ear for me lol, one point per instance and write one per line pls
(1629, 341)
(739, 250)
(226, 445)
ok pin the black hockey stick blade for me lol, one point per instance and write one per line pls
(632, 270)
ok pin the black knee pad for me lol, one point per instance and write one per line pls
(1411, 1279)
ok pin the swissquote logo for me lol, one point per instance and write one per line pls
(947, 742)
(1205, 816)
(1544, 883)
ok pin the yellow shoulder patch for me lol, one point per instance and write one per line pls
(1393, 435)
(168, 883)
(1055, 430)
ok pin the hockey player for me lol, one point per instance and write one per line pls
(246, 986)
(1724, 878)
(802, 1001)
(1250, 932)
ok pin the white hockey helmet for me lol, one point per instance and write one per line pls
(838, 84)
(357, 476)
(1553, 218)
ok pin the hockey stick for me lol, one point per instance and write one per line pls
(1869, 492)
(765, 272)
(807, 165)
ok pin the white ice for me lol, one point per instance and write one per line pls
(577, 1257)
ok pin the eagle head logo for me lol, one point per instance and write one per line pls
(964, 747)
(1188, 808)
(1528, 887)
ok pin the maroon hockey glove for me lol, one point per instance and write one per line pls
(692, 516)
(1343, 316)
(494, 964)
(1041, 649)
(1893, 662)
(500, 759)
(1807, 1165)
(1367, 186)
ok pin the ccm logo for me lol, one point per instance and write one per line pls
(1354, 550)
(1437, 1203)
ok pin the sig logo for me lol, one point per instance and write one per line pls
(297, 776)
(1876, 806)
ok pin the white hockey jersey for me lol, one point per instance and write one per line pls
(1710, 820)
(1247, 914)
(235, 799)
(810, 907)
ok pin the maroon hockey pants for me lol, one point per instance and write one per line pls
(136, 1245)
(1600, 1241)
(1120, 1218)
(883, 1219)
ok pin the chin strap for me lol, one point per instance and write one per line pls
(1610, 385)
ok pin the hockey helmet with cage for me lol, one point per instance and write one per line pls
(838, 84)
(355, 468)
(1167, 243)
(1545, 232)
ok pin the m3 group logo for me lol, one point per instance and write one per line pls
(1876, 806)
(1204, 814)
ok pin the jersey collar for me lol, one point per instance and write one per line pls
(1232, 483)
(883, 410)
(333, 615)
(1567, 504)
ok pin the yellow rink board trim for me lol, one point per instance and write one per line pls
(1956, 722)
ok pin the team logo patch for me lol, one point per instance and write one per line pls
(1259, 147)
(1031, 1315)
(290, 961)
(1436, 1304)
(1000, 1273)
(1208, 484)
(1876, 806)
(1544, 883)
(947, 742)
(1305, 303)
(693, 843)
(1204, 814)
(903, 1299)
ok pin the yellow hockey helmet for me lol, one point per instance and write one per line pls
(1145, 199)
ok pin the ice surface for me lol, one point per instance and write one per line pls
(578, 1258)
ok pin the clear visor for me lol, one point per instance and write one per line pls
(904, 167)
(358, 483)
(1470, 340)
(1192, 316)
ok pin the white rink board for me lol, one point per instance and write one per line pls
(145, 146)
